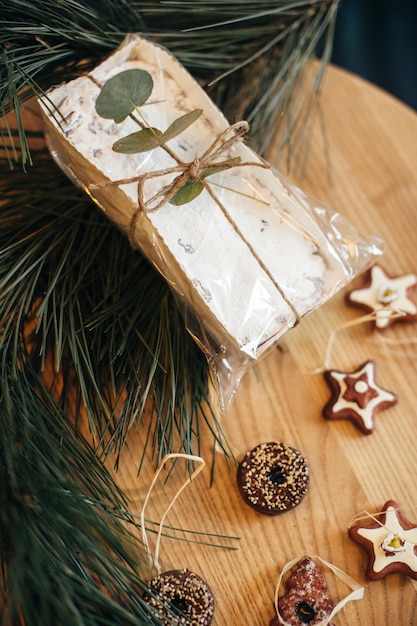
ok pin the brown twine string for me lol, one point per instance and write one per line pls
(189, 171)
(388, 343)
(193, 171)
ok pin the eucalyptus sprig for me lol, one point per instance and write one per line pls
(121, 96)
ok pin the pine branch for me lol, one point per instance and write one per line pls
(250, 56)
(64, 560)
(66, 551)
(88, 303)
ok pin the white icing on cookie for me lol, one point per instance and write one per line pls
(386, 294)
(361, 387)
(378, 535)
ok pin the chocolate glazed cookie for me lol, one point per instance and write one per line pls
(273, 478)
(182, 593)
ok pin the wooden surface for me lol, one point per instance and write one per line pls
(363, 164)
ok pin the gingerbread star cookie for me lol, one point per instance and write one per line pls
(384, 294)
(355, 396)
(390, 541)
(306, 600)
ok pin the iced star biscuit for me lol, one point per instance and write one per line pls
(355, 396)
(185, 594)
(306, 600)
(273, 478)
(247, 260)
(383, 294)
(390, 541)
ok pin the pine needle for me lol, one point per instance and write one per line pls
(236, 50)
(64, 560)
(100, 313)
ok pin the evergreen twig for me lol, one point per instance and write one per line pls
(66, 552)
(249, 56)
(100, 312)
(64, 560)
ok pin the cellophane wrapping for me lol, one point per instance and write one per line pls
(246, 259)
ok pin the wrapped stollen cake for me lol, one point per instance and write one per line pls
(246, 254)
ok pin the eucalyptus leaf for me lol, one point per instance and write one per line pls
(181, 124)
(141, 141)
(215, 169)
(122, 93)
(190, 190)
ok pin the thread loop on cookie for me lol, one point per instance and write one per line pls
(174, 455)
(369, 317)
(365, 515)
(356, 593)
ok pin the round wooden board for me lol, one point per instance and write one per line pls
(362, 163)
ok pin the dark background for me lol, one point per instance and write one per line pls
(377, 39)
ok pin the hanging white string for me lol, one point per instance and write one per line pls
(389, 344)
(369, 317)
(174, 455)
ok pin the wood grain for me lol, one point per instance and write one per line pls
(363, 165)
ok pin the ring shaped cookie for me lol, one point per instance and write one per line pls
(183, 593)
(273, 478)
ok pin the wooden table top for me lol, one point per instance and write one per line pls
(362, 164)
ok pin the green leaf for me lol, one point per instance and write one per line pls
(141, 141)
(190, 190)
(122, 93)
(215, 169)
(181, 124)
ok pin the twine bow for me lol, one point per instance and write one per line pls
(195, 170)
